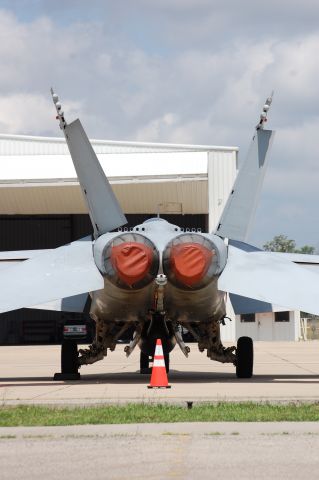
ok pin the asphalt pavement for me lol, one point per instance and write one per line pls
(283, 371)
(162, 451)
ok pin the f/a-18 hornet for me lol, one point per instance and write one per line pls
(157, 278)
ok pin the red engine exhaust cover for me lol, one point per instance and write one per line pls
(129, 260)
(132, 261)
(190, 262)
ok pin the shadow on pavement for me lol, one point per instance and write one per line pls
(175, 377)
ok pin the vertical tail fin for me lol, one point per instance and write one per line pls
(239, 211)
(104, 209)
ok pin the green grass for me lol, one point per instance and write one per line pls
(154, 413)
(150, 413)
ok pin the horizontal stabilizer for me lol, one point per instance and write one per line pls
(63, 272)
(270, 278)
(311, 262)
(10, 258)
(243, 305)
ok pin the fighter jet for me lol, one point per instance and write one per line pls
(157, 278)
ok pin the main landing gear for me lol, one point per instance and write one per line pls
(244, 357)
(69, 361)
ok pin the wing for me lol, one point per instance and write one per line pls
(270, 278)
(63, 272)
(10, 258)
(75, 303)
(249, 305)
(311, 262)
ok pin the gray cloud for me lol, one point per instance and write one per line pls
(180, 71)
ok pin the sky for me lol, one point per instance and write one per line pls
(181, 71)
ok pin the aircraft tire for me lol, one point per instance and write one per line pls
(69, 357)
(166, 360)
(144, 363)
(245, 357)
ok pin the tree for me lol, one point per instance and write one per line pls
(306, 249)
(281, 243)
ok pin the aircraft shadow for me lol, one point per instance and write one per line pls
(175, 377)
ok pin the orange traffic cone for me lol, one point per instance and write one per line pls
(159, 375)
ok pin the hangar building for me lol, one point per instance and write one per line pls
(41, 206)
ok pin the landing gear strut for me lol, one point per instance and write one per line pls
(244, 357)
(145, 363)
(69, 361)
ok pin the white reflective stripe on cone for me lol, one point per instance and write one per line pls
(158, 350)
(158, 363)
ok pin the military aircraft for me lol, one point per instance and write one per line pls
(157, 278)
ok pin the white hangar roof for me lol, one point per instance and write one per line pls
(37, 176)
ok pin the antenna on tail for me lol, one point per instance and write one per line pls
(59, 111)
(263, 115)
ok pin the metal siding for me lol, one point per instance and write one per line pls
(222, 170)
(11, 146)
(41, 200)
(146, 197)
(29, 145)
(133, 197)
(136, 194)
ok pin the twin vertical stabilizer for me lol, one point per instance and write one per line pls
(104, 209)
(239, 212)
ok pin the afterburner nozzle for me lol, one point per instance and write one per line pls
(129, 260)
(191, 261)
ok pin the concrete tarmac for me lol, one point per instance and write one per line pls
(284, 371)
(161, 451)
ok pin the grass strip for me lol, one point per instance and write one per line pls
(25, 415)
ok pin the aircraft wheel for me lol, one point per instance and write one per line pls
(244, 357)
(166, 360)
(69, 357)
(144, 363)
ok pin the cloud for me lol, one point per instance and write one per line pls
(28, 113)
(181, 71)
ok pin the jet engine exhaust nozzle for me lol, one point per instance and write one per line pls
(191, 261)
(129, 261)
